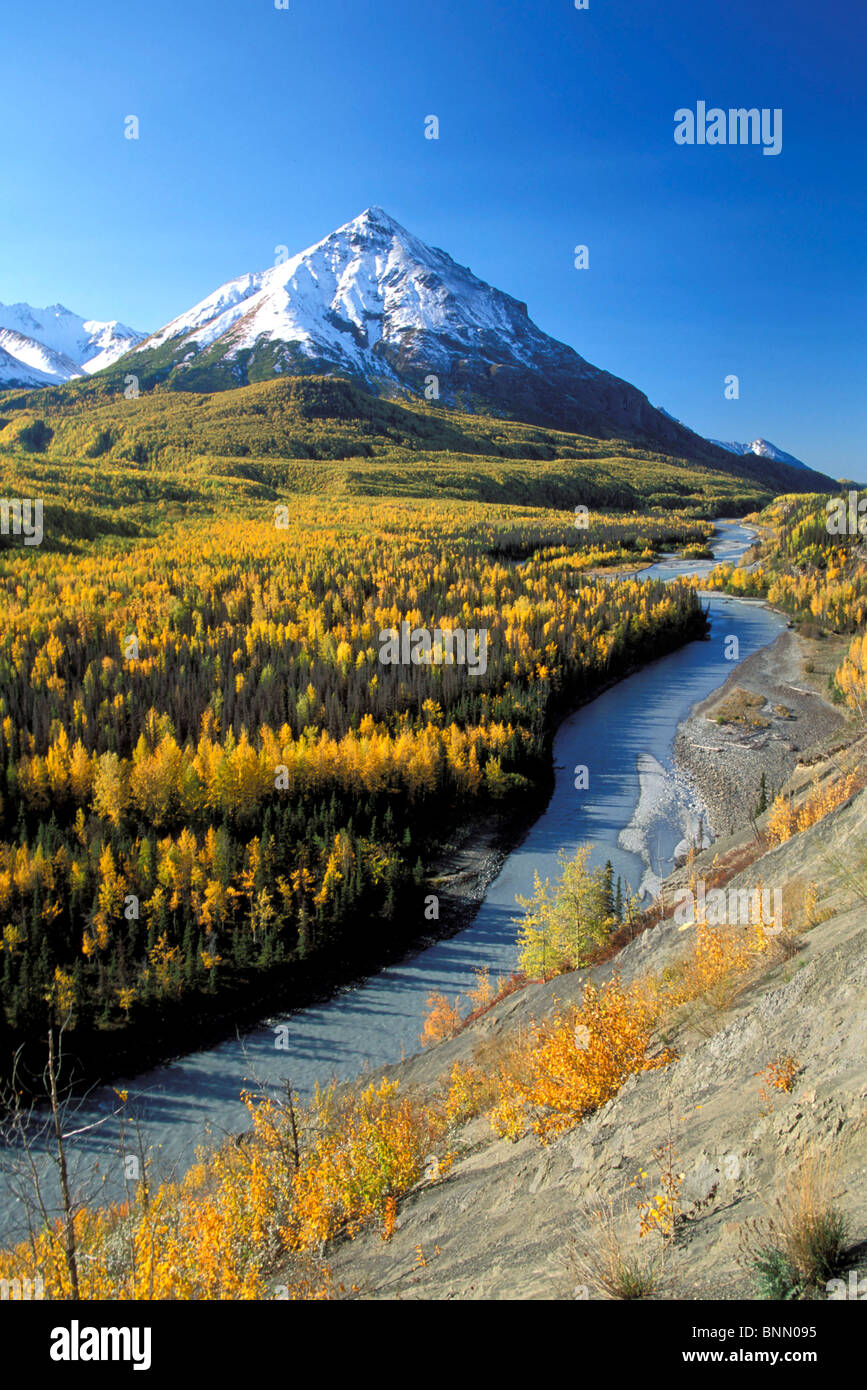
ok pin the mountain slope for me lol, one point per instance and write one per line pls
(388, 446)
(374, 303)
(53, 345)
(15, 372)
(515, 1219)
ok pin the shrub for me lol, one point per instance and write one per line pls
(443, 1020)
(365, 1149)
(851, 677)
(786, 820)
(801, 1244)
(778, 1076)
(774, 1277)
(577, 1061)
(607, 1260)
(256, 1200)
(715, 970)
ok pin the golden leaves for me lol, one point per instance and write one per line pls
(577, 1061)
(443, 1020)
(787, 820)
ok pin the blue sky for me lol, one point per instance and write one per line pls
(262, 127)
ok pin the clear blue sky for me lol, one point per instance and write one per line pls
(262, 127)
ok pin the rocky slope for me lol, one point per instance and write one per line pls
(505, 1220)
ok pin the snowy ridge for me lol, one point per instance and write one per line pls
(762, 448)
(53, 345)
(16, 373)
(53, 366)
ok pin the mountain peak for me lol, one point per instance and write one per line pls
(762, 448)
(377, 224)
(373, 302)
(374, 220)
(377, 215)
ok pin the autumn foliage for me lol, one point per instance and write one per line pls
(816, 575)
(786, 819)
(851, 676)
(242, 1211)
(205, 769)
(304, 1175)
(578, 1060)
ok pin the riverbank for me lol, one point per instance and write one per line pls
(459, 874)
(509, 1219)
(465, 869)
(761, 722)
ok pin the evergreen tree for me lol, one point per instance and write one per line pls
(608, 889)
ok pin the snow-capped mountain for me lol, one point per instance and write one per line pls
(763, 449)
(373, 302)
(13, 372)
(45, 347)
(47, 366)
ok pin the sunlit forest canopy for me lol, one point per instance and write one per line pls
(206, 771)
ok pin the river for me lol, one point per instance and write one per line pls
(636, 811)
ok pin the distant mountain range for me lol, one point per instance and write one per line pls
(46, 347)
(373, 303)
(763, 448)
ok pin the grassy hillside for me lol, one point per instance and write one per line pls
(325, 435)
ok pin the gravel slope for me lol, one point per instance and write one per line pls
(725, 762)
(501, 1222)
